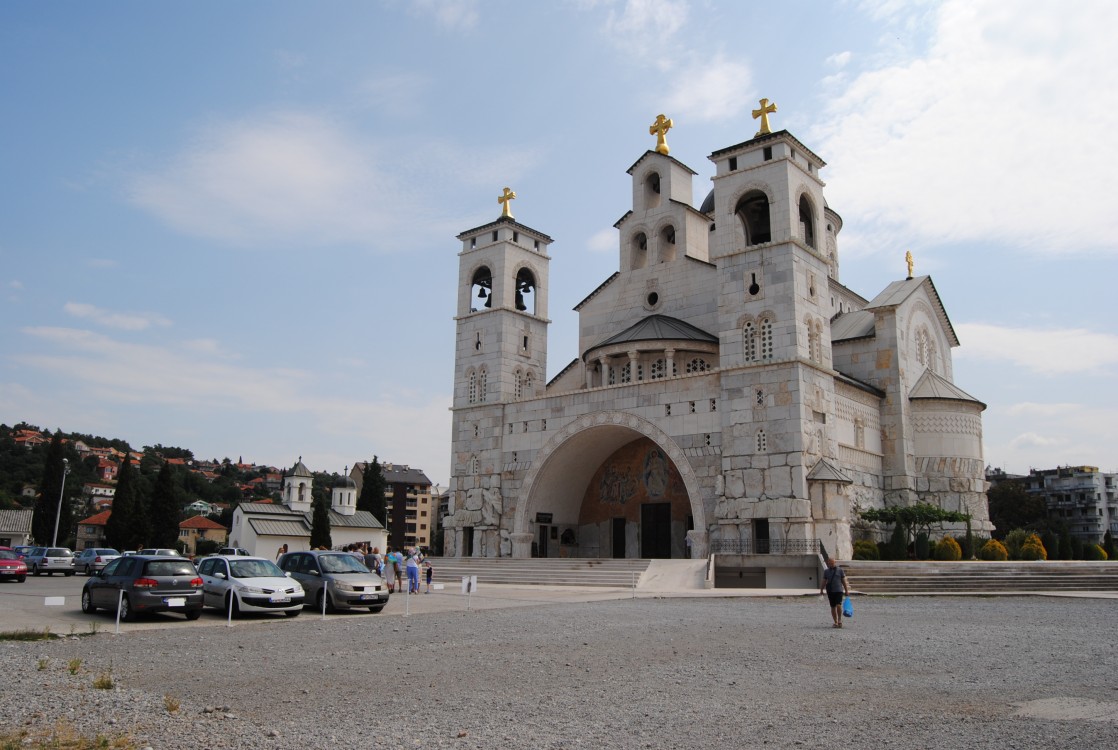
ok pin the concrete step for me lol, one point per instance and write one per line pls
(541, 571)
(870, 576)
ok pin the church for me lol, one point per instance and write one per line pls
(729, 394)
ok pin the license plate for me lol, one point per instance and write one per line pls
(366, 597)
(280, 599)
(175, 601)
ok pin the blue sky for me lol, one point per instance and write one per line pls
(230, 226)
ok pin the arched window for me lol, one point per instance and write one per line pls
(652, 190)
(474, 465)
(766, 338)
(697, 365)
(640, 371)
(481, 378)
(526, 291)
(657, 370)
(528, 384)
(481, 288)
(762, 442)
(518, 385)
(753, 212)
(639, 250)
(627, 373)
(471, 387)
(612, 375)
(749, 341)
(667, 244)
(807, 222)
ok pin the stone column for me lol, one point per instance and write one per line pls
(521, 545)
(589, 368)
(634, 357)
(669, 363)
(603, 366)
(700, 543)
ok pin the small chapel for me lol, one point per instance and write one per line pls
(729, 394)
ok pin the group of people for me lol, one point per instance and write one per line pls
(395, 565)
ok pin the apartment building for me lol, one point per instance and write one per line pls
(1083, 497)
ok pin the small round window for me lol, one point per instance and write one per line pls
(653, 298)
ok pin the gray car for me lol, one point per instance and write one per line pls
(149, 583)
(340, 577)
(92, 559)
(50, 560)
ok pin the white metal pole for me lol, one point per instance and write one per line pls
(119, 601)
(407, 600)
(229, 622)
(61, 492)
(325, 593)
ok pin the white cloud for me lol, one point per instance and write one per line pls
(1043, 435)
(1026, 348)
(1031, 409)
(603, 241)
(1032, 440)
(709, 90)
(989, 132)
(838, 60)
(454, 15)
(645, 25)
(109, 319)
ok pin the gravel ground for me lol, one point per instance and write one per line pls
(648, 673)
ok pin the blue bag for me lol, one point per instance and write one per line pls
(847, 607)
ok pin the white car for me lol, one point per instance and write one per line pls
(92, 559)
(248, 584)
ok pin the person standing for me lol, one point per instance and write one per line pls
(429, 570)
(413, 571)
(835, 585)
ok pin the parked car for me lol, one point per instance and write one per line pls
(234, 551)
(161, 551)
(11, 566)
(23, 550)
(92, 559)
(50, 560)
(340, 577)
(254, 583)
(151, 583)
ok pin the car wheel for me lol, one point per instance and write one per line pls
(374, 610)
(292, 612)
(21, 579)
(87, 603)
(330, 608)
(231, 600)
(69, 573)
(193, 614)
(35, 570)
(126, 612)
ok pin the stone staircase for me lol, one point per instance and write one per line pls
(873, 577)
(550, 571)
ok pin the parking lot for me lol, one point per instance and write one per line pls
(24, 606)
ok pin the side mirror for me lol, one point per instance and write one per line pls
(288, 574)
(219, 575)
(314, 573)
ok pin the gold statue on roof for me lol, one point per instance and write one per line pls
(505, 199)
(763, 114)
(908, 260)
(660, 129)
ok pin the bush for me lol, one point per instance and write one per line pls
(1067, 550)
(1032, 549)
(1094, 552)
(898, 543)
(921, 546)
(994, 550)
(864, 550)
(883, 551)
(948, 549)
(1013, 541)
(1052, 545)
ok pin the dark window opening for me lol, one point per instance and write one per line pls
(481, 287)
(526, 291)
(753, 211)
(733, 163)
(807, 221)
(768, 153)
(653, 298)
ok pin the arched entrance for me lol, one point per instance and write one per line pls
(606, 480)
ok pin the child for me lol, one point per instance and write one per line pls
(429, 571)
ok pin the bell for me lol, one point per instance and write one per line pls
(520, 302)
(481, 293)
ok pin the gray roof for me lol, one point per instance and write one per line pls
(300, 470)
(931, 385)
(825, 471)
(362, 519)
(858, 324)
(279, 520)
(658, 328)
(18, 521)
(899, 291)
(402, 475)
(270, 508)
(279, 527)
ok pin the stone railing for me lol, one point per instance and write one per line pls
(765, 547)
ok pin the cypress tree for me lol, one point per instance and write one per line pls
(320, 525)
(50, 488)
(164, 510)
(372, 497)
(118, 529)
(141, 513)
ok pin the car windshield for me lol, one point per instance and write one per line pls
(255, 569)
(169, 568)
(106, 552)
(341, 563)
(6, 555)
(59, 552)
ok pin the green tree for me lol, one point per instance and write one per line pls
(917, 519)
(118, 529)
(1011, 507)
(373, 485)
(47, 506)
(164, 509)
(320, 524)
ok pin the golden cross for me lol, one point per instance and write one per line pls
(908, 260)
(660, 129)
(763, 113)
(505, 199)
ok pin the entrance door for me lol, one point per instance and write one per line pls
(761, 536)
(541, 543)
(468, 541)
(656, 530)
(619, 537)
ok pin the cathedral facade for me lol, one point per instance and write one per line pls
(729, 393)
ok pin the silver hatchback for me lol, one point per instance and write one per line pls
(337, 580)
(50, 560)
(92, 559)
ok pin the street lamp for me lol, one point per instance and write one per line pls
(58, 512)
